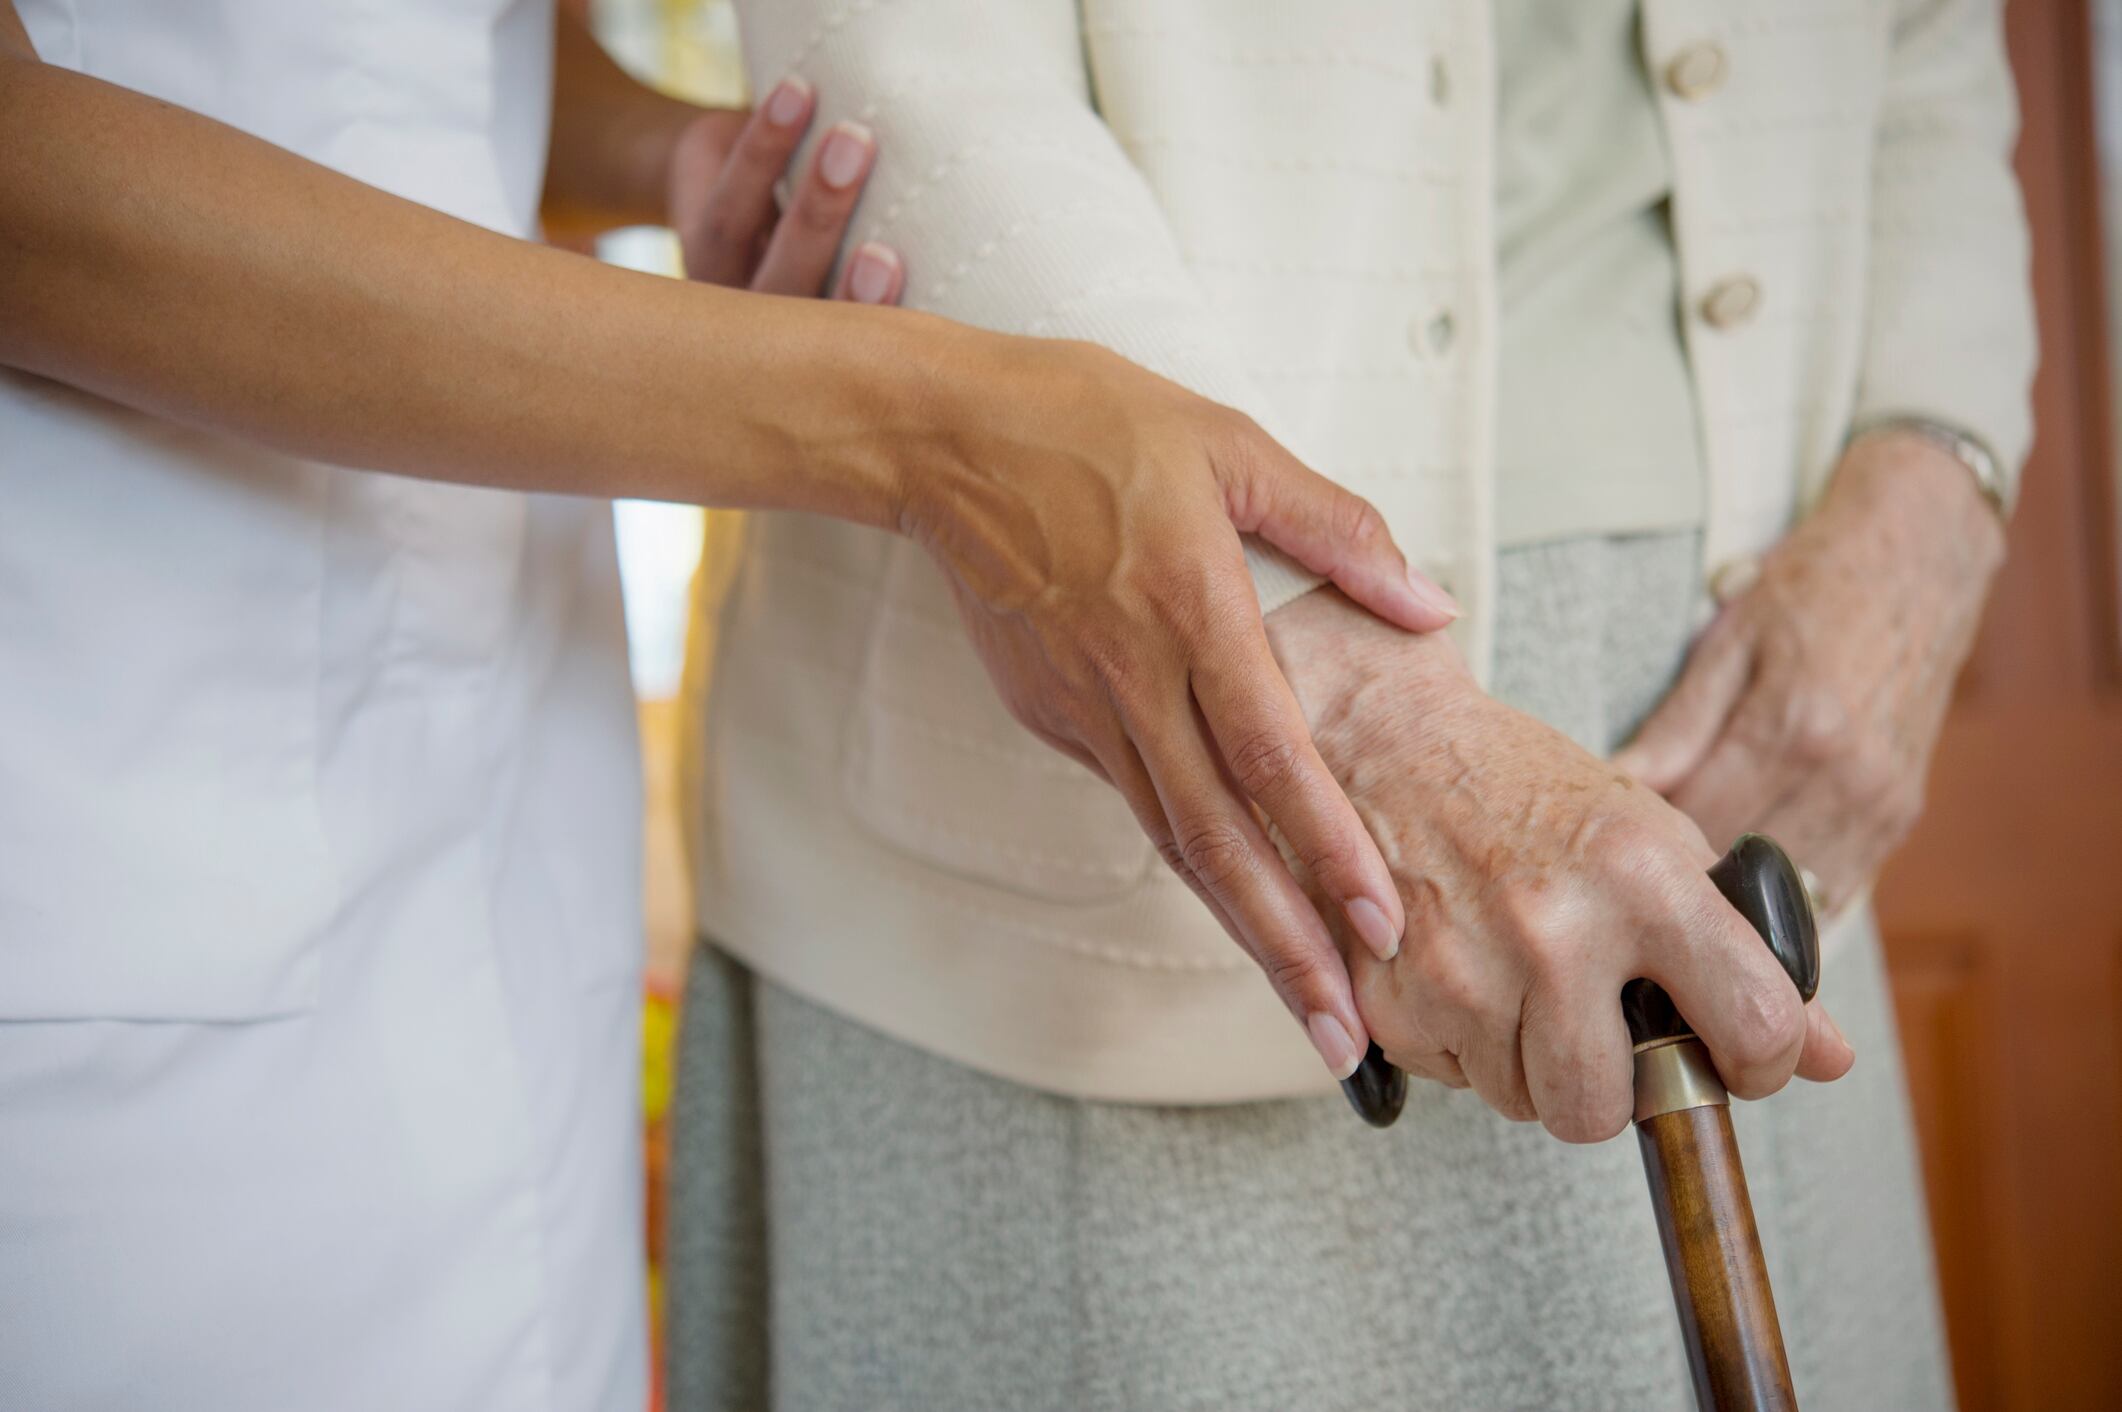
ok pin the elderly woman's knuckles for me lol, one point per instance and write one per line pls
(1758, 1051)
(1441, 993)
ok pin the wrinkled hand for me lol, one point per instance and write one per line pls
(1537, 881)
(729, 221)
(1087, 514)
(1809, 708)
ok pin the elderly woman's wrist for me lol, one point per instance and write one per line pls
(1355, 675)
(1905, 481)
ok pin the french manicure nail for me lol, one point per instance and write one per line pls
(847, 147)
(1430, 594)
(870, 272)
(1331, 1039)
(1371, 923)
(787, 102)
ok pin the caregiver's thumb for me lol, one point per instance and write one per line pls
(1330, 531)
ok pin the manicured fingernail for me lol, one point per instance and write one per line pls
(788, 100)
(1331, 1039)
(1371, 923)
(870, 272)
(1430, 594)
(847, 148)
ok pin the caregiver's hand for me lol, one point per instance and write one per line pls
(1538, 881)
(722, 174)
(1810, 706)
(1088, 514)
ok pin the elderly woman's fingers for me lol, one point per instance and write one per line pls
(722, 228)
(1577, 1064)
(1768, 753)
(800, 254)
(1437, 1066)
(1679, 734)
(1827, 1055)
(1495, 1069)
(1832, 837)
(1739, 1000)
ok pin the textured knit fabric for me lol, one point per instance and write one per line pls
(862, 1227)
(1288, 208)
(1595, 413)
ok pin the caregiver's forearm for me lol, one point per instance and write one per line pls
(176, 265)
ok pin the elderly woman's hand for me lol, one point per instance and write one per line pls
(1087, 515)
(1538, 880)
(1809, 708)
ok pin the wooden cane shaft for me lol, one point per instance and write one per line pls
(1713, 1253)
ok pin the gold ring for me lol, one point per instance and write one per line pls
(1814, 893)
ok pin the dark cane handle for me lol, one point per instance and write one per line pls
(1756, 877)
(1761, 883)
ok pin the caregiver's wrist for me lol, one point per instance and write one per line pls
(815, 406)
(977, 410)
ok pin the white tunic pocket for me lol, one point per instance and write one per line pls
(162, 853)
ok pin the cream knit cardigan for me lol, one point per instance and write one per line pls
(1287, 207)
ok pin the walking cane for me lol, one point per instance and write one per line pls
(1683, 1121)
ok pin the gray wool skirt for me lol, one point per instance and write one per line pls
(859, 1226)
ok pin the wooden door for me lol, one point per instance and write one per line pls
(2003, 915)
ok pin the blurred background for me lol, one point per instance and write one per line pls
(2003, 915)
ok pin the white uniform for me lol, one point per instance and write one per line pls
(319, 871)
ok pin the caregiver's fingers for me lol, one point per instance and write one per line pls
(1209, 837)
(721, 228)
(1121, 766)
(1329, 530)
(1680, 733)
(807, 238)
(872, 274)
(1267, 748)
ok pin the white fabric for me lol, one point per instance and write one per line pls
(1595, 412)
(1286, 207)
(318, 864)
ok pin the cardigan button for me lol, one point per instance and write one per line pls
(1432, 336)
(1697, 71)
(1731, 302)
(1733, 577)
